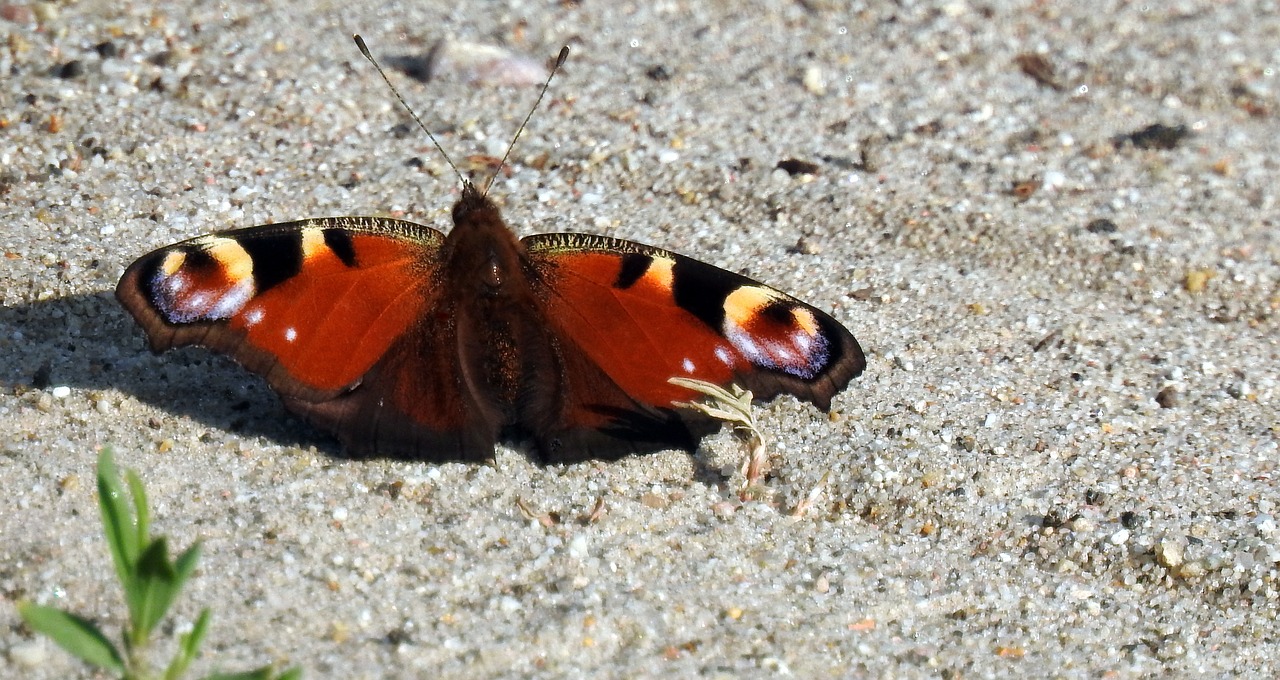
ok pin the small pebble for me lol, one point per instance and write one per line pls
(822, 584)
(1194, 569)
(1101, 225)
(29, 654)
(107, 50)
(46, 12)
(480, 64)
(815, 81)
(578, 547)
(653, 500)
(1197, 280)
(1169, 552)
(18, 14)
(1082, 525)
(71, 69)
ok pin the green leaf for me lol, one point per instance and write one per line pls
(157, 586)
(185, 565)
(143, 514)
(264, 673)
(117, 522)
(76, 635)
(188, 645)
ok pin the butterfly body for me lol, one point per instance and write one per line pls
(405, 342)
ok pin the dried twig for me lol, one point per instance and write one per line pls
(734, 407)
(546, 519)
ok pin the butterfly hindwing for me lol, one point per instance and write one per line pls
(642, 315)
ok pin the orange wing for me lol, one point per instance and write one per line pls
(642, 315)
(342, 316)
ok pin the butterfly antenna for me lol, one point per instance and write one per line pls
(564, 54)
(364, 49)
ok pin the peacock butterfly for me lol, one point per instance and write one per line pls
(403, 341)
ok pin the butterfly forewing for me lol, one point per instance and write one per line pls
(312, 305)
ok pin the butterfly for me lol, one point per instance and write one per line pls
(403, 341)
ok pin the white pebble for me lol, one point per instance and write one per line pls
(815, 81)
(61, 392)
(29, 654)
(1119, 537)
(1194, 569)
(1169, 552)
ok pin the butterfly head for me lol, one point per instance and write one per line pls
(474, 207)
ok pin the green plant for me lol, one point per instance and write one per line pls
(150, 582)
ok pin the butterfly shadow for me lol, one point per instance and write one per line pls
(88, 342)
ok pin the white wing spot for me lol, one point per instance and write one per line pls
(688, 366)
(231, 301)
(254, 316)
(803, 341)
(802, 356)
(745, 343)
(173, 284)
(290, 334)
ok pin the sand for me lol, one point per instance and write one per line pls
(1061, 460)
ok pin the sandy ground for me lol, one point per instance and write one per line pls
(1061, 459)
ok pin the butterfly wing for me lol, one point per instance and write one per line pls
(638, 315)
(344, 317)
